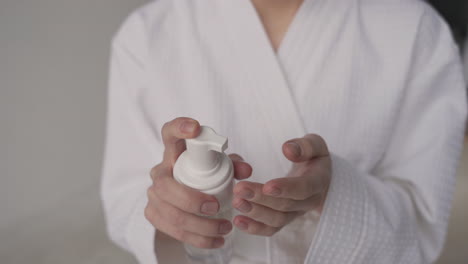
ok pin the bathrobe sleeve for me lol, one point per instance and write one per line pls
(398, 213)
(133, 147)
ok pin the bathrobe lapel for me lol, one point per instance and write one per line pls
(280, 79)
(258, 62)
(312, 39)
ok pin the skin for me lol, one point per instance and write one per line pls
(174, 209)
(276, 16)
(269, 207)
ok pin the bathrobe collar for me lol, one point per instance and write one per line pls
(277, 75)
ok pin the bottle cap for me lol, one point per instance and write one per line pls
(204, 166)
(203, 152)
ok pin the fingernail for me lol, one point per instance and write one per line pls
(244, 207)
(274, 191)
(218, 242)
(209, 208)
(187, 126)
(295, 148)
(246, 194)
(225, 228)
(242, 225)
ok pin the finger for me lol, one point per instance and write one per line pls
(190, 222)
(242, 170)
(306, 148)
(253, 192)
(262, 213)
(297, 188)
(253, 227)
(182, 235)
(173, 135)
(181, 196)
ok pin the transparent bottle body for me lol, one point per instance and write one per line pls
(213, 256)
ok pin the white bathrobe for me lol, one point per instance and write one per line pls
(379, 80)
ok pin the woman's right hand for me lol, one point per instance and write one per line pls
(174, 208)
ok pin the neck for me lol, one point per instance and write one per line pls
(276, 6)
(276, 16)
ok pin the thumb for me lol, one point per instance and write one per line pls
(306, 148)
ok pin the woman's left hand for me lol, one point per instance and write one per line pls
(270, 206)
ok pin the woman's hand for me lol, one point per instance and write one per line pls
(270, 206)
(174, 208)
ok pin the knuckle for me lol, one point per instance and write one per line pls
(179, 219)
(286, 205)
(155, 171)
(282, 206)
(316, 140)
(158, 171)
(239, 185)
(255, 213)
(304, 171)
(254, 228)
(212, 227)
(159, 184)
(149, 192)
(181, 235)
(168, 128)
(303, 193)
(148, 212)
(260, 198)
(204, 242)
(260, 214)
(157, 187)
(279, 220)
(245, 185)
(197, 241)
(152, 196)
(189, 204)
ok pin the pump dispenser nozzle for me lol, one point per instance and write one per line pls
(204, 151)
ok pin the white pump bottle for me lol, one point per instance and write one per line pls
(205, 167)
